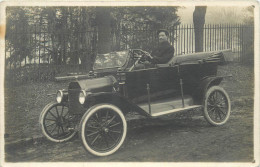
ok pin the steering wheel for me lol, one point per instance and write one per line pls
(141, 57)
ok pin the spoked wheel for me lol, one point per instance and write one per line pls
(55, 122)
(103, 129)
(217, 106)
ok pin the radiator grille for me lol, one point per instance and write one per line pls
(74, 106)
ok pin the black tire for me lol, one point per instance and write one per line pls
(54, 121)
(217, 106)
(103, 129)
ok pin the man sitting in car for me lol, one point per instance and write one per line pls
(165, 51)
(162, 54)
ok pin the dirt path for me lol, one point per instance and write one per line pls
(165, 140)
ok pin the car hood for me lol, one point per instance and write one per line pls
(102, 84)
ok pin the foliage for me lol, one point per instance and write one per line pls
(249, 15)
(67, 34)
(154, 17)
(248, 34)
(18, 45)
(57, 30)
(70, 35)
(141, 18)
(225, 15)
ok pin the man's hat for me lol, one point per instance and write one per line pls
(163, 30)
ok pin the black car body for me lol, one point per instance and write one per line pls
(96, 104)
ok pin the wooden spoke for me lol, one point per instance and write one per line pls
(211, 105)
(50, 119)
(111, 120)
(105, 138)
(52, 114)
(115, 131)
(62, 110)
(91, 134)
(216, 116)
(57, 111)
(219, 115)
(221, 99)
(93, 127)
(95, 139)
(97, 116)
(222, 107)
(92, 118)
(66, 114)
(62, 129)
(89, 130)
(115, 124)
(50, 124)
(58, 130)
(53, 128)
(111, 137)
(212, 109)
(211, 100)
(106, 116)
(223, 112)
(215, 96)
(222, 102)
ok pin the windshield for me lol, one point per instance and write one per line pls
(110, 60)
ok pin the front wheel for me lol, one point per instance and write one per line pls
(217, 106)
(103, 129)
(55, 122)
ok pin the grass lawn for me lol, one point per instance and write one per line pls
(23, 103)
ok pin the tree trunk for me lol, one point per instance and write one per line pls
(103, 20)
(199, 21)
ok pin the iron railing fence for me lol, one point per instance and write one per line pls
(37, 46)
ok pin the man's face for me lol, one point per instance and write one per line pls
(162, 37)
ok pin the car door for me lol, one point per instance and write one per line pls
(164, 80)
(136, 83)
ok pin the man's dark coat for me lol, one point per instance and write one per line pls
(163, 53)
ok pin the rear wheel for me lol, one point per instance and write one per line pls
(103, 129)
(217, 106)
(55, 122)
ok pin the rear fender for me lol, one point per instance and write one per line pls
(113, 98)
(205, 84)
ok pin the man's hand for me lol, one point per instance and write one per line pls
(146, 62)
(148, 55)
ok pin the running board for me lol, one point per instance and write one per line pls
(174, 110)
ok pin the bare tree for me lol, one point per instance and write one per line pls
(199, 21)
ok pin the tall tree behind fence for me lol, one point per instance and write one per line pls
(61, 52)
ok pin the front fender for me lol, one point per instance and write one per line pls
(204, 85)
(113, 98)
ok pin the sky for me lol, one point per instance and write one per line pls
(215, 15)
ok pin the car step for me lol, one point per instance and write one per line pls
(168, 106)
(174, 110)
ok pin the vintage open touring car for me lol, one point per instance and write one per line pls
(95, 105)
